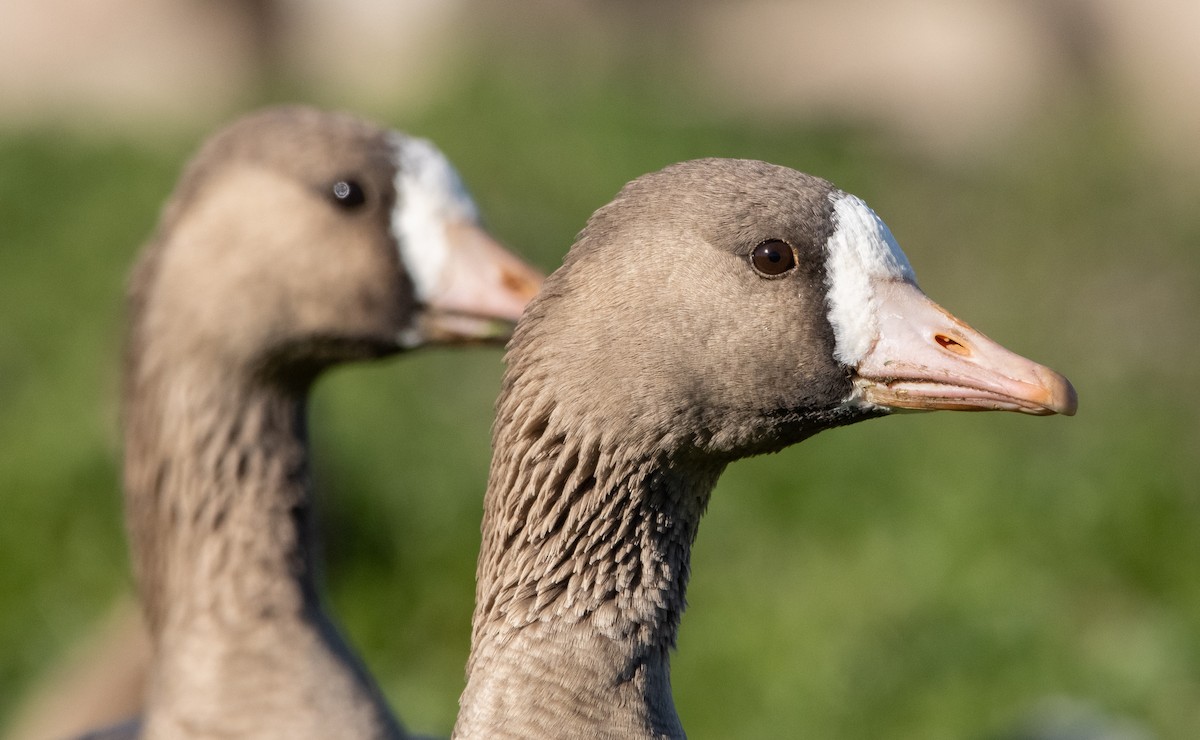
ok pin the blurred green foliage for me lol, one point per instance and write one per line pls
(930, 576)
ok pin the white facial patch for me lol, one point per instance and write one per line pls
(861, 253)
(429, 196)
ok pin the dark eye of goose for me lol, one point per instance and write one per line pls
(773, 257)
(348, 194)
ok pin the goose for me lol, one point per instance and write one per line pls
(295, 240)
(714, 310)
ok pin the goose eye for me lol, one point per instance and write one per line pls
(348, 194)
(773, 257)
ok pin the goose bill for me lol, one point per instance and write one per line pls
(926, 359)
(481, 291)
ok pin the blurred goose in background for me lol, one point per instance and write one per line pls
(714, 310)
(296, 239)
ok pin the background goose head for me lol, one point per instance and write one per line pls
(296, 239)
(735, 307)
(299, 237)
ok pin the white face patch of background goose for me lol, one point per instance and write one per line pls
(860, 253)
(429, 195)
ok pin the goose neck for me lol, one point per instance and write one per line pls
(220, 521)
(581, 584)
(217, 500)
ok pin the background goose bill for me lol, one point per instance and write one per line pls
(926, 359)
(480, 292)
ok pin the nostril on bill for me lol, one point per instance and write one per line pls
(951, 344)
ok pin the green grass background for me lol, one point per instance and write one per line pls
(929, 576)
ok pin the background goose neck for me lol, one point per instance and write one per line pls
(220, 520)
(217, 498)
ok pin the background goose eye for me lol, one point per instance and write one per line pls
(773, 257)
(348, 193)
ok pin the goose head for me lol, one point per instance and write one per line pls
(298, 238)
(733, 307)
(713, 310)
